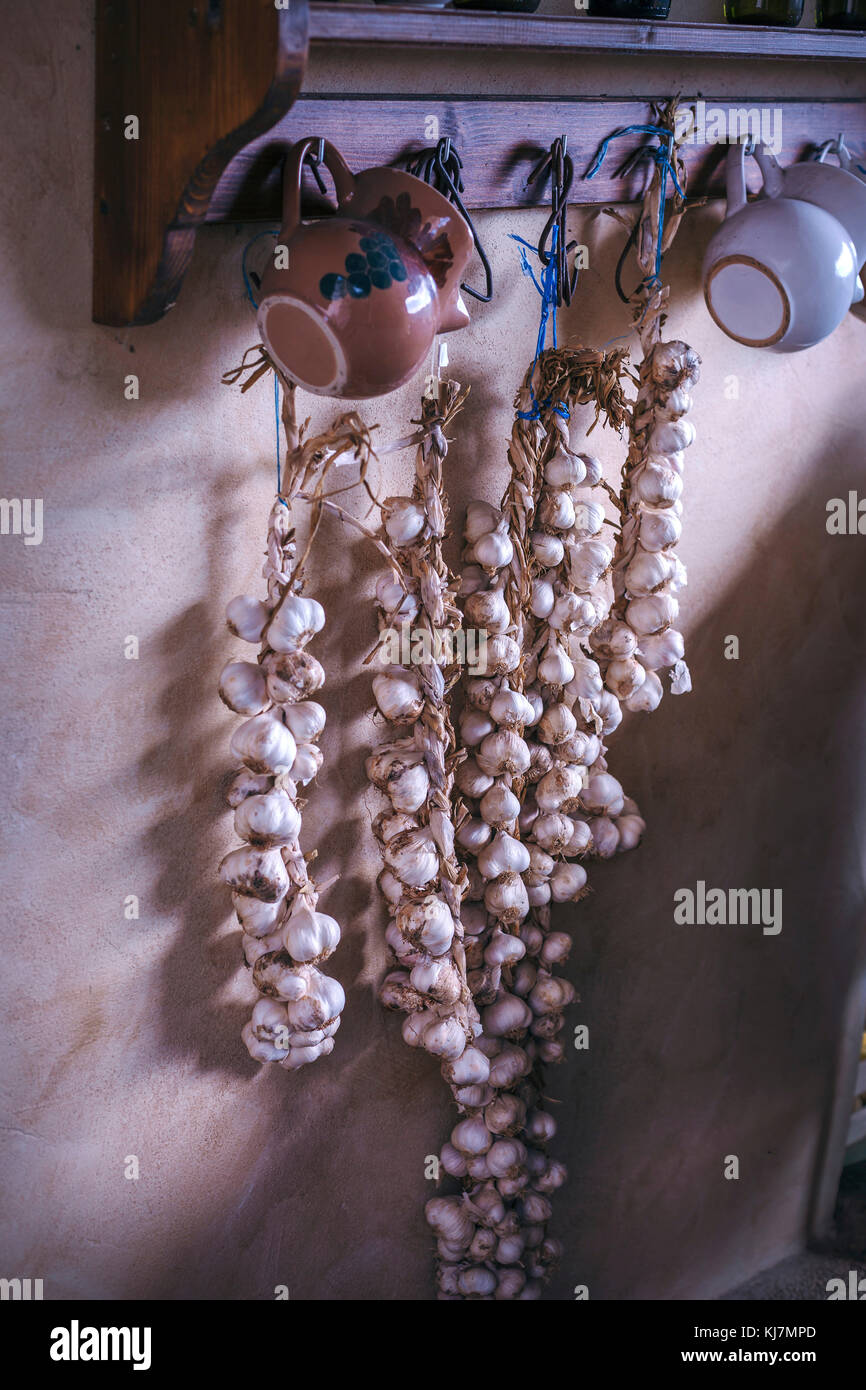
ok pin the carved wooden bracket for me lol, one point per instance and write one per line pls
(180, 89)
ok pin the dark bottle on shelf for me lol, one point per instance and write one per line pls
(842, 14)
(788, 12)
(520, 6)
(631, 9)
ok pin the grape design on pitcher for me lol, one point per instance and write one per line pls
(375, 266)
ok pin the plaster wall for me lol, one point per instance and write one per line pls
(121, 1037)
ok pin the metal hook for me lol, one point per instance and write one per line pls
(441, 167)
(559, 164)
(314, 160)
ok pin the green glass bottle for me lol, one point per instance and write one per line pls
(788, 12)
(631, 9)
(842, 14)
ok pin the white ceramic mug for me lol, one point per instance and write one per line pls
(779, 273)
(827, 186)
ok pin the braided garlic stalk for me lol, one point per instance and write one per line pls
(519, 737)
(422, 881)
(640, 638)
(285, 937)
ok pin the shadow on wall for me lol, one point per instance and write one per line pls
(710, 1041)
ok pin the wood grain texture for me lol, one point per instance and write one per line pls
(379, 25)
(499, 142)
(203, 79)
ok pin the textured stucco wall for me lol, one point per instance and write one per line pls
(120, 1037)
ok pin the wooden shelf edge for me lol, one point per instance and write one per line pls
(390, 25)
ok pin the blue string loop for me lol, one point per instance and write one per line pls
(547, 288)
(663, 157)
(248, 286)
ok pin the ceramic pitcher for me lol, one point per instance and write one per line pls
(352, 305)
(779, 273)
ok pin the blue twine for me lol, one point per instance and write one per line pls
(251, 297)
(548, 291)
(662, 157)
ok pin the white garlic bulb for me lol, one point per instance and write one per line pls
(494, 550)
(293, 676)
(306, 719)
(542, 597)
(398, 695)
(481, 518)
(264, 744)
(499, 807)
(404, 520)
(310, 936)
(243, 687)
(413, 857)
(247, 617)
(565, 470)
(257, 872)
(427, 923)
(503, 752)
(503, 855)
(271, 819)
(294, 621)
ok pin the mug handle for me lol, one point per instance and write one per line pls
(344, 179)
(771, 170)
(735, 178)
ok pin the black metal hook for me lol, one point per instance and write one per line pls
(441, 166)
(559, 164)
(314, 160)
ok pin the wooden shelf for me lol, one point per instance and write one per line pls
(381, 26)
(213, 91)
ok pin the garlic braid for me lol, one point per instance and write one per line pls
(640, 638)
(422, 881)
(285, 937)
(493, 1242)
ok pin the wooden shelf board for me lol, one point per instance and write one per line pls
(390, 25)
(499, 141)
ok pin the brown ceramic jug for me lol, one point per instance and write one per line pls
(355, 311)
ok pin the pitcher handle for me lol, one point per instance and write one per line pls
(344, 179)
(771, 171)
